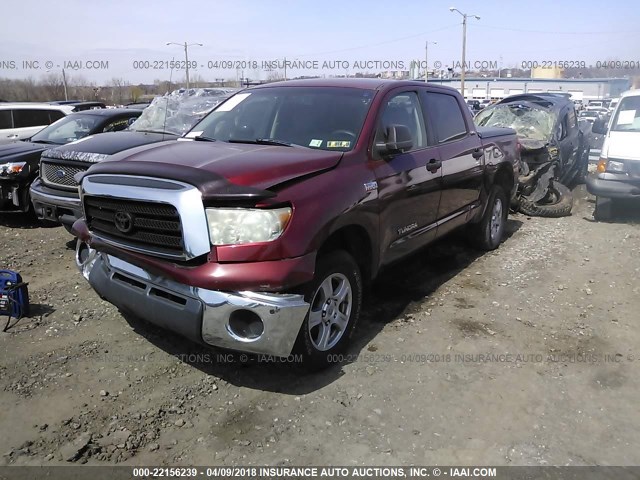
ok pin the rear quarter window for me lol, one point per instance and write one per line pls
(55, 115)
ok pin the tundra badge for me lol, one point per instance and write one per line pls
(370, 186)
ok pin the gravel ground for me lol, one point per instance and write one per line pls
(523, 356)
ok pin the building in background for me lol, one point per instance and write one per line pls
(547, 72)
(580, 89)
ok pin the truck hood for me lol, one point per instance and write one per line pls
(21, 151)
(258, 166)
(109, 143)
(622, 145)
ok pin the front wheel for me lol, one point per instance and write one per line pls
(557, 203)
(335, 298)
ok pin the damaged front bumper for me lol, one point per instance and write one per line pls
(263, 323)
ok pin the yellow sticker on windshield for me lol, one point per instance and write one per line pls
(338, 144)
(315, 143)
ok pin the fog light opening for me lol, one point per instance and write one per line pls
(245, 325)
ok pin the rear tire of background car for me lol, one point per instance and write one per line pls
(335, 298)
(604, 209)
(488, 233)
(557, 203)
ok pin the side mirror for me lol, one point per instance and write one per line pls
(398, 140)
(599, 126)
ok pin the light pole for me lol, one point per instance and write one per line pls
(464, 42)
(186, 54)
(64, 83)
(426, 60)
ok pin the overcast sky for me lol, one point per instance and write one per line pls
(121, 32)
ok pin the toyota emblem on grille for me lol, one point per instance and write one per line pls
(60, 173)
(123, 221)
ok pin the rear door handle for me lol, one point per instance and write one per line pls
(434, 165)
(477, 153)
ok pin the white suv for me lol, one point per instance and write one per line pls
(19, 121)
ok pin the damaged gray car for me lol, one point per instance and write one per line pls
(554, 149)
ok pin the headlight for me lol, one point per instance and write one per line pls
(616, 166)
(12, 168)
(237, 226)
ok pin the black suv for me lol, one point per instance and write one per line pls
(20, 160)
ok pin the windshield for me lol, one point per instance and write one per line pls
(320, 118)
(178, 111)
(67, 129)
(627, 117)
(528, 121)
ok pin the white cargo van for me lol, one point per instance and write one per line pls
(618, 173)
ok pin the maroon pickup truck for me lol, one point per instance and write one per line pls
(259, 231)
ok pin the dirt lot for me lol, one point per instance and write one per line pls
(527, 355)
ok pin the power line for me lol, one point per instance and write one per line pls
(555, 33)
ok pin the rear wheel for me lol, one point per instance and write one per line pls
(335, 298)
(488, 233)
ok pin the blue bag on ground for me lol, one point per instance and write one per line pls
(14, 295)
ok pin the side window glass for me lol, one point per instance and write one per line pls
(404, 109)
(5, 119)
(30, 118)
(572, 118)
(446, 116)
(562, 127)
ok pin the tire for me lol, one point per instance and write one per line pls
(488, 233)
(334, 294)
(604, 209)
(557, 203)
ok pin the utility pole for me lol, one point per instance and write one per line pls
(186, 55)
(64, 83)
(426, 60)
(464, 43)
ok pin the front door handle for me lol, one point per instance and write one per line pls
(477, 153)
(434, 165)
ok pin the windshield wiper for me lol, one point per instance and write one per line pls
(47, 142)
(263, 141)
(202, 138)
(155, 131)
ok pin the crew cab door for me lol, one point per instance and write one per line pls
(462, 158)
(408, 182)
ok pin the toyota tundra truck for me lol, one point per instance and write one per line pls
(259, 230)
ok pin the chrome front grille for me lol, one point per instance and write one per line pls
(153, 216)
(139, 223)
(60, 175)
